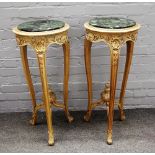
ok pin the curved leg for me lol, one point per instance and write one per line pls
(130, 46)
(66, 49)
(113, 81)
(87, 55)
(23, 51)
(42, 67)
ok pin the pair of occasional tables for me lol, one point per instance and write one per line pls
(40, 34)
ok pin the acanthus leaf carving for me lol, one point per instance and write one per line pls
(40, 43)
(115, 56)
(112, 39)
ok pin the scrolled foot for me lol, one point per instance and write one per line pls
(87, 116)
(109, 141)
(51, 142)
(70, 118)
(33, 121)
(109, 137)
(50, 139)
(122, 116)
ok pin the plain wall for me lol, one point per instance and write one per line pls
(14, 95)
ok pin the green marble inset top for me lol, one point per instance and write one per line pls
(112, 22)
(41, 25)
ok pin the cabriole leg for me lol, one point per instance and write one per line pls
(113, 81)
(23, 51)
(42, 67)
(130, 46)
(87, 55)
(66, 50)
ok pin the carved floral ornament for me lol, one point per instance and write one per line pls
(114, 40)
(40, 43)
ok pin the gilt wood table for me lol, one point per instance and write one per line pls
(114, 32)
(39, 35)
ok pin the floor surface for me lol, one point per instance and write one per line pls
(135, 134)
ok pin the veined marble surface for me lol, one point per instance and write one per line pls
(112, 22)
(41, 25)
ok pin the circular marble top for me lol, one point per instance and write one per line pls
(41, 25)
(112, 22)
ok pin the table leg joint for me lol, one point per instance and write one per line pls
(34, 113)
(105, 96)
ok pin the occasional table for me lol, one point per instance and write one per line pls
(39, 35)
(114, 32)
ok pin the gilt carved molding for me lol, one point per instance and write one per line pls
(40, 43)
(113, 40)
